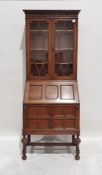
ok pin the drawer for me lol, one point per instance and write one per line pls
(37, 124)
(45, 111)
(63, 124)
(50, 124)
(33, 112)
(64, 110)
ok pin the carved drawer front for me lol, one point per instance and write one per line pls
(51, 117)
(63, 124)
(37, 124)
(34, 112)
(64, 117)
(44, 111)
(64, 110)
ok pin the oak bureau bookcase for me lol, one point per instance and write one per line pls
(51, 103)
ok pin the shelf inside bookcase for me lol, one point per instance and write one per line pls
(64, 63)
(63, 30)
(36, 62)
(39, 30)
(63, 49)
(55, 30)
(38, 49)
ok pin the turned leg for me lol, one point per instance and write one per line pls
(29, 138)
(77, 141)
(24, 141)
(73, 138)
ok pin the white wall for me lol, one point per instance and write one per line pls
(12, 63)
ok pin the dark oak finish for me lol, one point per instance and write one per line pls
(51, 102)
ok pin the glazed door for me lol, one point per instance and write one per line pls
(39, 49)
(64, 49)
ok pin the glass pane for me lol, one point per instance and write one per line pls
(39, 48)
(64, 37)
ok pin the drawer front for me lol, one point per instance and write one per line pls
(51, 117)
(34, 112)
(64, 110)
(37, 124)
(64, 124)
(43, 111)
(50, 124)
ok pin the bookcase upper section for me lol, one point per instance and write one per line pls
(51, 44)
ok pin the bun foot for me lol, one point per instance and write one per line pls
(77, 157)
(24, 157)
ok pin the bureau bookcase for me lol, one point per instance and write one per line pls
(51, 103)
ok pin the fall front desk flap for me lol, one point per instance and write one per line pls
(47, 92)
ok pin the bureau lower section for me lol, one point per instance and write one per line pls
(51, 117)
(51, 120)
